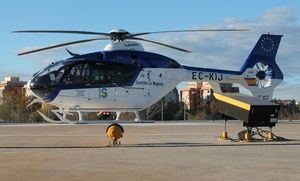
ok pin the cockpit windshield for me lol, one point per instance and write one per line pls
(50, 75)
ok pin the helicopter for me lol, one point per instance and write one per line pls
(126, 78)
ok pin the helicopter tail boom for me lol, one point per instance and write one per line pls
(259, 74)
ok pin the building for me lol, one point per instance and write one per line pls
(10, 84)
(196, 95)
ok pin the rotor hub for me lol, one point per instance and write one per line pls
(118, 34)
(264, 74)
(261, 75)
(118, 31)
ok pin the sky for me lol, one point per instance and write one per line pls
(221, 50)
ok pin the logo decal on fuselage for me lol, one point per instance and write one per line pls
(80, 93)
(131, 44)
(149, 83)
(103, 93)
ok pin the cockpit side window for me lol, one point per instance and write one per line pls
(99, 74)
(78, 74)
(123, 74)
(173, 64)
(109, 73)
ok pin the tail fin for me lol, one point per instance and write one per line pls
(260, 71)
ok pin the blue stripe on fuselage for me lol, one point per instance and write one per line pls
(143, 59)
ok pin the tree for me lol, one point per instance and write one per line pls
(288, 110)
(14, 107)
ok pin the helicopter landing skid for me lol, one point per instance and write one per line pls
(61, 114)
(62, 119)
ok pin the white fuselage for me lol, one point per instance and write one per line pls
(150, 86)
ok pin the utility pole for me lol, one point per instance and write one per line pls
(162, 109)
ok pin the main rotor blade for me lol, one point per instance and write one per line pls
(63, 31)
(180, 31)
(61, 45)
(163, 44)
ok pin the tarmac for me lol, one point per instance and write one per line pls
(149, 151)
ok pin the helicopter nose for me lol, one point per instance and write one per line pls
(28, 90)
(38, 89)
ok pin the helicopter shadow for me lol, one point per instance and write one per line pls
(164, 145)
(187, 145)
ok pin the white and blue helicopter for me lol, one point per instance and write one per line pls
(126, 78)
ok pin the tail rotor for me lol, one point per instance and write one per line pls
(264, 75)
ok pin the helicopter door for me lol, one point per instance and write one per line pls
(137, 95)
(157, 82)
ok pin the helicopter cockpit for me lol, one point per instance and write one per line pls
(45, 80)
(81, 74)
